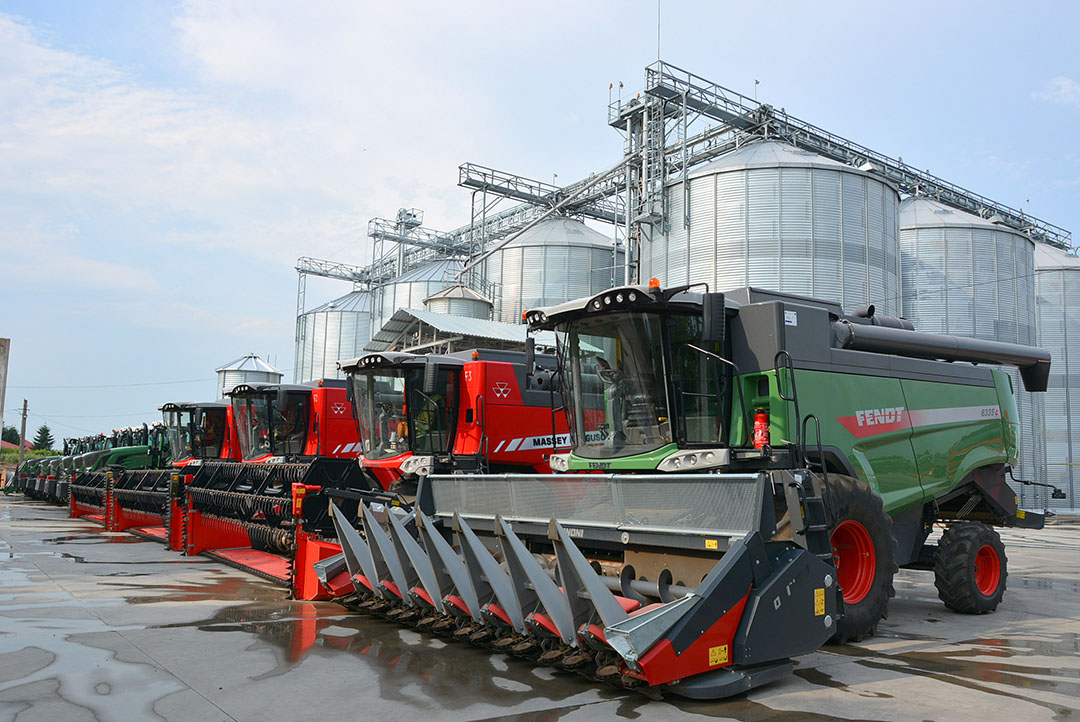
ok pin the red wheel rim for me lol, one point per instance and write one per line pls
(853, 554)
(987, 570)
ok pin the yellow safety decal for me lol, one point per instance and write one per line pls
(1016, 500)
(1020, 513)
(819, 601)
(712, 544)
(718, 655)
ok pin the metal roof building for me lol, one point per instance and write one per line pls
(414, 330)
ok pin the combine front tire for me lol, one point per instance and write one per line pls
(864, 552)
(970, 568)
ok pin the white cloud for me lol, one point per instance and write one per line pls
(1061, 90)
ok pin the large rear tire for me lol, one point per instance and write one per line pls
(970, 568)
(864, 552)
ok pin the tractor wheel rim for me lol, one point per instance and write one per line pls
(855, 559)
(987, 570)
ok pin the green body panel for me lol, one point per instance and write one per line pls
(638, 462)
(906, 456)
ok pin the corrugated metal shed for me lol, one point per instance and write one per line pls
(450, 326)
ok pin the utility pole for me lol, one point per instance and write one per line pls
(22, 435)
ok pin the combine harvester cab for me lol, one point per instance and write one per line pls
(475, 411)
(148, 502)
(747, 472)
(268, 514)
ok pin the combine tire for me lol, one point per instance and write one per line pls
(864, 552)
(970, 568)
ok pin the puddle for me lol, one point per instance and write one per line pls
(456, 675)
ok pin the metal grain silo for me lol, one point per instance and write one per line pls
(555, 261)
(967, 276)
(335, 330)
(1057, 280)
(459, 300)
(411, 288)
(248, 369)
(782, 219)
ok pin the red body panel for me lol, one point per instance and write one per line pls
(711, 650)
(332, 416)
(387, 471)
(517, 434)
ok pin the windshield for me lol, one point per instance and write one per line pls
(264, 429)
(635, 384)
(178, 428)
(432, 414)
(379, 403)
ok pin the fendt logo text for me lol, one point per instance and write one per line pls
(875, 417)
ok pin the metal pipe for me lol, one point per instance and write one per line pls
(1033, 362)
(652, 590)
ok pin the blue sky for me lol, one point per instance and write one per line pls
(163, 164)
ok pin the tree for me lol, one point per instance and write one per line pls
(11, 435)
(44, 439)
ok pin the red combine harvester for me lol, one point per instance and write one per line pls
(473, 411)
(268, 514)
(476, 411)
(147, 502)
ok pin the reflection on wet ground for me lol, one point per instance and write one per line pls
(99, 629)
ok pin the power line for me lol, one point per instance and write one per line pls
(124, 386)
(116, 386)
(95, 416)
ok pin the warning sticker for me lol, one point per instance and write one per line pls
(718, 655)
(711, 544)
(819, 602)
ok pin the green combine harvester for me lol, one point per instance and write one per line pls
(747, 472)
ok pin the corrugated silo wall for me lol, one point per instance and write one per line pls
(975, 281)
(811, 231)
(1059, 333)
(326, 337)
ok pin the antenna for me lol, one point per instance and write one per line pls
(658, 29)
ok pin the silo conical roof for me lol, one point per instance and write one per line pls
(561, 231)
(928, 213)
(354, 301)
(250, 362)
(458, 291)
(441, 270)
(771, 154)
(1048, 258)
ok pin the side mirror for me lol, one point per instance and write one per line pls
(530, 355)
(197, 417)
(349, 389)
(714, 318)
(282, 400)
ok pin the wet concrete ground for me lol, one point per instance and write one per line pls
(97, 626)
